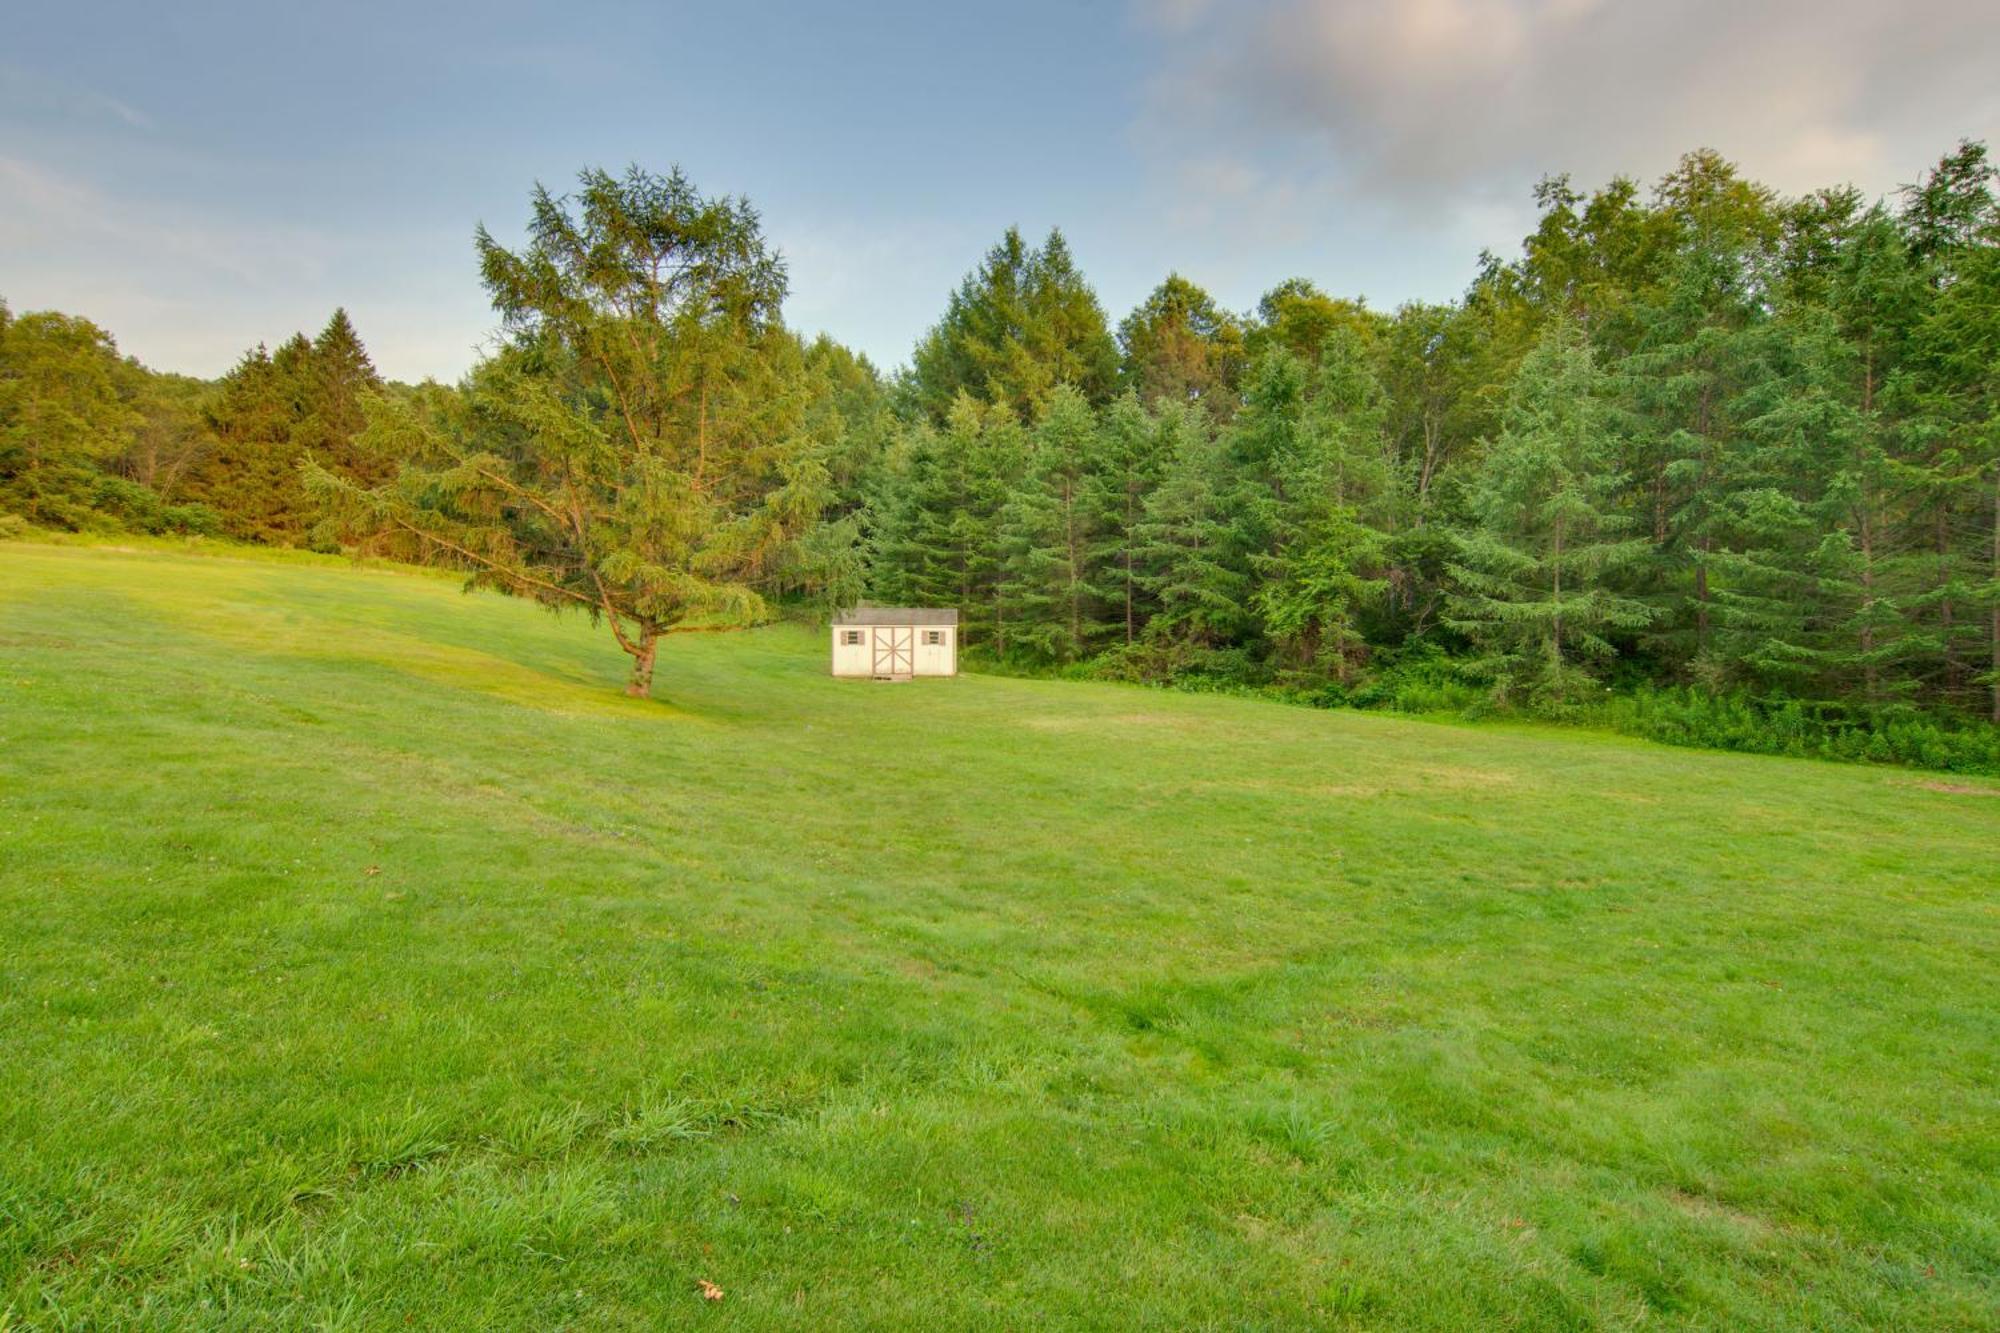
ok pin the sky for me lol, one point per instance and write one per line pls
(199, 178)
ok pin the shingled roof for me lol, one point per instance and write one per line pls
(896, 615)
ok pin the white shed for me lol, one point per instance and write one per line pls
(895, 642)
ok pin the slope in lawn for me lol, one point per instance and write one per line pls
(366, 959)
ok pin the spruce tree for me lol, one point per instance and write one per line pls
(336, 378)
(1133, 449)
(1532, 590)
(1024, 322)
(1190, 546)
(1327, 565)
(1050, 540)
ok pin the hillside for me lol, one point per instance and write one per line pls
(366, 959)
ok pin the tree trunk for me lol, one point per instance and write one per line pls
(1432, 433)
(1125, 539)
(1660, 505)
(1556, 618)
(1947, 632)
(1075, 589)
(1701, 598)
(641, 684)
(1996, 601)
(1131, 624)
(1870, 684)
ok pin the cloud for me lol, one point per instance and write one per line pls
(1438, 108)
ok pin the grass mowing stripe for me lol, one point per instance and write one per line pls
(367, 961)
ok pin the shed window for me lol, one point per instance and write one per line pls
(934, 636)
(850, 637)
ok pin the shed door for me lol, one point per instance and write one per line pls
(895, 651)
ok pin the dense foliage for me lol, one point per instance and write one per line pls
(1708, 438)
(89, 439)
(93, 440)
(273, 412)
(1701, 441)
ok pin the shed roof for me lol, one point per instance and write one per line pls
(897, 615)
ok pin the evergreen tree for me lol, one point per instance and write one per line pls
(1802, 587)
(1017, 327)
(1952, 403)
(273, 412)
(1700, 353)
(1958, 353)
(1532, 592)
(335, 379)
(638, 450)
(1049, 537)
(940, 537)
(1330, 550)
(1134, 447)
(1195, 558)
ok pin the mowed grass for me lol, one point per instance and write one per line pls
(367, 961)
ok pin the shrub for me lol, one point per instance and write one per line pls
(1808, 729)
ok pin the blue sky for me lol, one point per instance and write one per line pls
(199, 178)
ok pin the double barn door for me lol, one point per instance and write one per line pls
(895, 652)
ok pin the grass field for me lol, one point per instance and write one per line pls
(367, 961)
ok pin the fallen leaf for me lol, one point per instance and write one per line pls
(709, 1291)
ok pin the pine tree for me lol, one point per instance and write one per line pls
(1532, 591)
(273, 412)
(1953, 404)
(1329, 552)
(1958, 355)
(1133, 449)
(1049, 537)
(638, 450)
(1023, 323)
(1193, 554)
(1803, 585)
(1699, 355)
(940, 542)
(336, 378)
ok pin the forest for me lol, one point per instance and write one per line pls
(1711, 462)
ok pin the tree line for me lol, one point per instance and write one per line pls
(91, 439)
(1698, 436)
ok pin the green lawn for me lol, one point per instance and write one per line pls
(366, 960)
